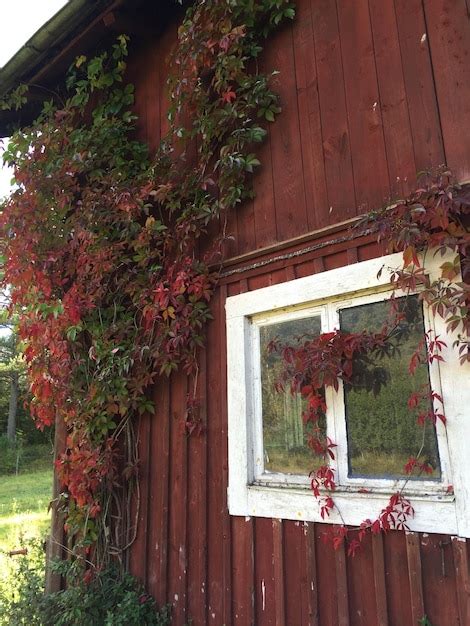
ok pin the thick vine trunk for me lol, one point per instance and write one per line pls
(13, 406)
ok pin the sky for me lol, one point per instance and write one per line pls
(19, 20)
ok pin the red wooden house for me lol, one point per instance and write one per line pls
(372, 92)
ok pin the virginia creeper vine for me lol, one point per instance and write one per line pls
(100, 240)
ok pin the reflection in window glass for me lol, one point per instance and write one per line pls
(382, 431)
(284, 434)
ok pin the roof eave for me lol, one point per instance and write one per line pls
(45, 45)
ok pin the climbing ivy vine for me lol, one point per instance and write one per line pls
(101, 246)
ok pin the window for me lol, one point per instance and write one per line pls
(371, 425)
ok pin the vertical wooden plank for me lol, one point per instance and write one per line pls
(242, 571)
(265, 613)
(415, 576)
(393, 103)
(227, 553)
(363, 105)
(289, 192)
(362, 601)
(219, 580)
(137, 71)
(290, 273)
(246, 231)
(159, 485)
(371, 250)
(232, 239)
(263, 204)
(177, 535)
(214, 470)
(342, 586)
(319, 264)
(279, 584)
(335, 259)
(462, 573)
(439, 580)
(294, 574)
(152, 95)
(419, 84)
(396, 576)
(327, 583)
(140, 506)
(335, 132)
(309, 115)
(158, 433)
(263, 182)
(449, 39)
(167, 41)
(310, 585)
(197, 506)
(243, 565)
(306, 268)
(352, 255)
(378, 565)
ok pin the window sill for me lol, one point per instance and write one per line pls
(434, 513)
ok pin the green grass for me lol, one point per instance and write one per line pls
(24, 500)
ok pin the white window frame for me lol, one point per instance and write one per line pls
(252, 491)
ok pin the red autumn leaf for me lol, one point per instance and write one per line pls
(229, 96)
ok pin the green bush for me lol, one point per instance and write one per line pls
(109, 599)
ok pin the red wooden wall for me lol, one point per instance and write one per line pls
(372, 91)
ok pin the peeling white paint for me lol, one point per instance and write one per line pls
(423, 38)
(263, 593)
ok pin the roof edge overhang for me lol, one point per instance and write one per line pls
(80, 27)
(48, 53)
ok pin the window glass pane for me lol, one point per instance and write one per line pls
(284, 434)
(382, 431)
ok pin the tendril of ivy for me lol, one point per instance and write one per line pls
(100, 245)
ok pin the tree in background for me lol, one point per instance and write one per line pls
(12, 367)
